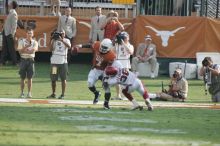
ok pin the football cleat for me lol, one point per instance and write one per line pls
(51, 96)
(149, 106)
(22, 95)
(96, 98)
(29, 95)
(137, 107)
(61, 96)
(106, 106)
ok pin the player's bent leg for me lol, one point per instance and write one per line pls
(147, 101)
(107, 98)
(130, 98)
(92, 79)
(140, 88)
(96, 93)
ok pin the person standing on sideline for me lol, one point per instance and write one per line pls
(68, 24)
(27, 48)
(58, 60)
(9, 30)
(96, 31)
(112, 25)
(146, 52)
(55, 7)
(123, 50)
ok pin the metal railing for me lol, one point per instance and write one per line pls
(211, 8)
(80, 8)
(169, 7)
(85, 8)
(206, 8)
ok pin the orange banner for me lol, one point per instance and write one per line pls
(175, 37)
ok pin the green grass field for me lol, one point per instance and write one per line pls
(77, 84)
(28, 124)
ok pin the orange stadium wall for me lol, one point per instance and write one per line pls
(175, 37)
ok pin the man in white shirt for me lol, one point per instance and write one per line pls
(9, 30)
(96, 31)
(27, 48)
(58, 60)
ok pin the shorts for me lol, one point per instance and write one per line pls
(216, 97)
(26, 68)
(59, 70)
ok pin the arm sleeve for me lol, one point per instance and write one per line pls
(138, 50)
(36, 46)
(59, 24)
(91, 30)
(14, 24)
(74, 27)
(87, 46)
(20, 44)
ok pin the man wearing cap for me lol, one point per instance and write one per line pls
(178, 89)
(112, 25)
(211, 76)
(146, 52)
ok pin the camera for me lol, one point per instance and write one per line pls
(56, 35)
(174, 75)
(119, 38)
(206, 62)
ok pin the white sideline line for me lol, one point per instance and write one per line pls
(112, 103)
(13, 100)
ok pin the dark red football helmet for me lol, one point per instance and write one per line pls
(111, 71)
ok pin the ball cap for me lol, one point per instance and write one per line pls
(148, 37)
(178, 70)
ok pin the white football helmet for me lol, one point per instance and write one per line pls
(105, 46)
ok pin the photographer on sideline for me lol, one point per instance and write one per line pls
(59, 66)
(123, 50)
(178, 89)
(211, 76)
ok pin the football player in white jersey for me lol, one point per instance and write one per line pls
(129, 82)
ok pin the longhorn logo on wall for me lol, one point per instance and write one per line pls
(165, 34)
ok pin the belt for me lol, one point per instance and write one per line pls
(28, 59)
